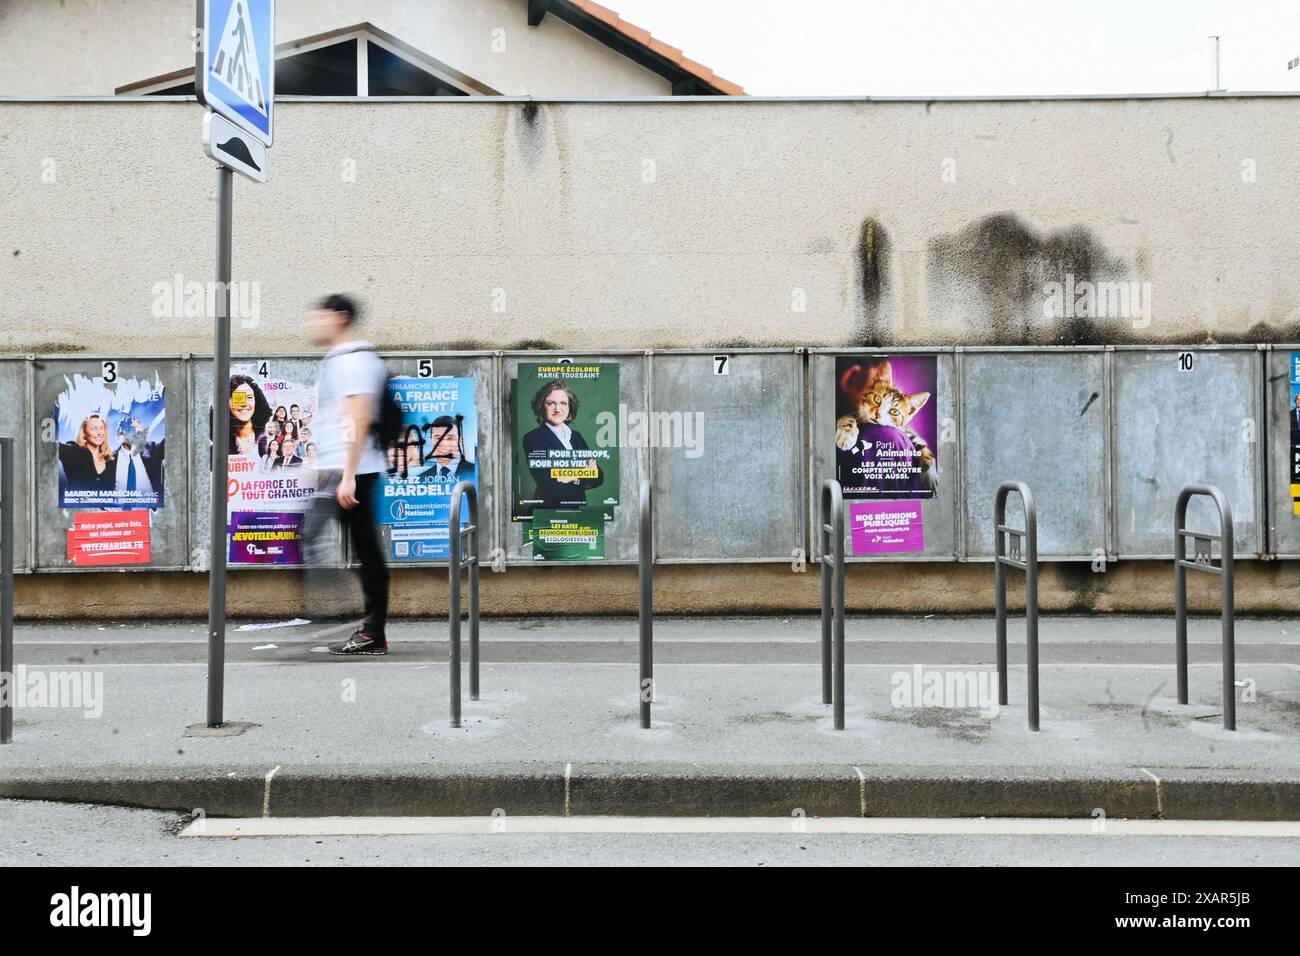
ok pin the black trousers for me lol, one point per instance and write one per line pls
(360, 523)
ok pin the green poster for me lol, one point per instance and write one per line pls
(564, 446)
(567, 535)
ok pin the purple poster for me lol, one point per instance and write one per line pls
(266, 537)
(886, 527)
(886, 426)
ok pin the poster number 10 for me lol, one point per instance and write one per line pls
(1186, 361)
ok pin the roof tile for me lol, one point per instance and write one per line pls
(599, 12)
(670, 53)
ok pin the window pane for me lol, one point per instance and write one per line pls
(390, 75)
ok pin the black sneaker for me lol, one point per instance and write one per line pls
(361, 643)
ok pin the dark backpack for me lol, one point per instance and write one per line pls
(387, 428)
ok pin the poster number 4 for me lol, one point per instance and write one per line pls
(722, 365)
(263, 370)
(1186, 361)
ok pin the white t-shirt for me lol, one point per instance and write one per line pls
(348, 369)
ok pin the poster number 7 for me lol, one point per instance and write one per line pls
(722, 365)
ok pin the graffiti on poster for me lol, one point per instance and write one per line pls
(111, 435)
(109, 537)
(577, 535)
(437, 450)
(1294, 415)
(886, 429)
(271, 462)
(555, 406)
(886, 527)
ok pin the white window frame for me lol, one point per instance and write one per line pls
(365, 35)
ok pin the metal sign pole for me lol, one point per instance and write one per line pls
(220, 429)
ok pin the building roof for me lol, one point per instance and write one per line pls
(604, 24)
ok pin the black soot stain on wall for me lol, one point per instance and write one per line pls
(874, 256)
(1006, 265)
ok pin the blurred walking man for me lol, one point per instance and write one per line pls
(349, 460)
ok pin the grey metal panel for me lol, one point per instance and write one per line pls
(621, 533)
(939, 514)
(169, 527)
(1040, 418)
(738, 494)
(16, 424)
(481, 367)
(1173, 428)
(1283, 522)
(295, 368)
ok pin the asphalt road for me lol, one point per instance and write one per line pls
(51, 834)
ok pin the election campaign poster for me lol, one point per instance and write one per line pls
(1294, 415)
(885, 527)
(569, 535)
(565, 445)
(271, 466)
(886, 430)
(436, 450)
(265, 537)
(109, 537)
(111, 437)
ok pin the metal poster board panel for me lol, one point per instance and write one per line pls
(1184, 416)
(726, 437)
(449, 402)
(599, 531)
(16, 424)
(112, 466)
(922, 515)
(1282, 442)
(273, 399)
(1039, 417)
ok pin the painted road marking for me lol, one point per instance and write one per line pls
(883, 826)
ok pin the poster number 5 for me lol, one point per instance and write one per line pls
(425, 368)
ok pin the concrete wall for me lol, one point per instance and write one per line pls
(668, 223)
(92, 47)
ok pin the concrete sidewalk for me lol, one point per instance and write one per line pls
(739, 728)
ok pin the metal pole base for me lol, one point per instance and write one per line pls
(231, 728)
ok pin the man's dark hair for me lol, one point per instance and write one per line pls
(341, 303)
(445, 423)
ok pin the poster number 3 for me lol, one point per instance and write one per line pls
(110, 372)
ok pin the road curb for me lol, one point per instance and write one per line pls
(673, 790)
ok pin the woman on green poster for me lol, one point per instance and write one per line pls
(554, 448)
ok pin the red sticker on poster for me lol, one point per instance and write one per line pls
(109, 537)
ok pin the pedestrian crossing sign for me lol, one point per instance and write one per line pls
(235, 63)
